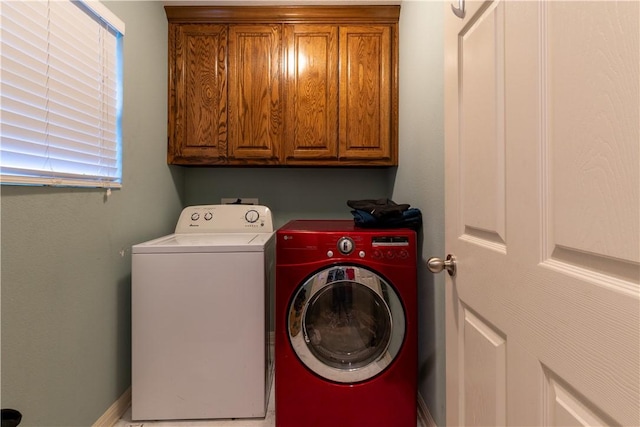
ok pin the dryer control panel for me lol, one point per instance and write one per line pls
(390, 247)
(225, 219)
(304, 241)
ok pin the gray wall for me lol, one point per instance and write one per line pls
(420, 178)
(298, 193)
(66, 287)
(66, 258)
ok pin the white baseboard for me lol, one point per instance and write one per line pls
(424, 416)
(115, 411)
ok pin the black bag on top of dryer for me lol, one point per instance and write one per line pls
(384, 213)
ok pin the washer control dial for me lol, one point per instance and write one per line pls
(345, 245)
(252, 216)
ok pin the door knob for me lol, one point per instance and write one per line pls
(436, 265)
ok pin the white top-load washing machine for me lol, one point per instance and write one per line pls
(201, 316)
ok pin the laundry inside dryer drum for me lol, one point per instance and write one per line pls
(348, 325)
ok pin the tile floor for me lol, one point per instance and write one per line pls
(268, 421)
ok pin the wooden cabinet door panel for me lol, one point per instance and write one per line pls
(255, 122)
(311, 92)
(198, 99)
(365, 92)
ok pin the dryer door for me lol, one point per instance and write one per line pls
(346, 323)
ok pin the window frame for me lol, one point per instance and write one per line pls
(111, 26)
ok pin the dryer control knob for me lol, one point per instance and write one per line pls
(345, 245)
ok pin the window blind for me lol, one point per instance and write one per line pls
(61, 93)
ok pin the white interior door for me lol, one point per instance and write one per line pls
(543, 213)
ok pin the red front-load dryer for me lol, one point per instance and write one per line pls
(346, 325)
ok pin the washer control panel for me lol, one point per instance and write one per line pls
(225, 219)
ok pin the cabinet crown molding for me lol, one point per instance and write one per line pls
(283, 14)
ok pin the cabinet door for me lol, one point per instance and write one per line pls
(366, 84)
(312, 92)
(197, 94)
(255, 122)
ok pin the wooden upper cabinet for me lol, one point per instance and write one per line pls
(291, 85)
(197, 94)
(255, 107)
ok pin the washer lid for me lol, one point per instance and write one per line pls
(198, 243)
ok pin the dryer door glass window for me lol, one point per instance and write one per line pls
(346, 324)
